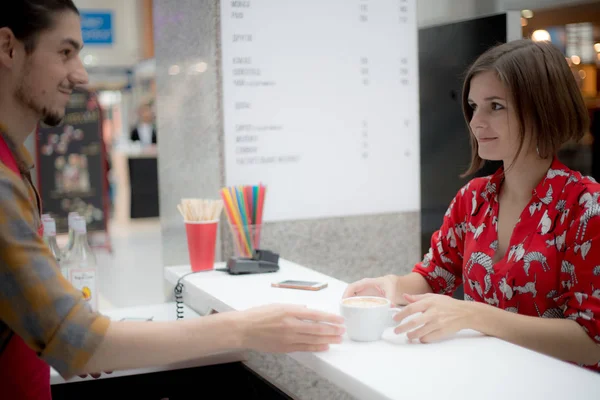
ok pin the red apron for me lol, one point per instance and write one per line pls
(22, 373)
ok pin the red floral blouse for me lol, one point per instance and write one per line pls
(551, 268)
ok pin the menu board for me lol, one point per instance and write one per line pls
(71, 164)
(321, 105)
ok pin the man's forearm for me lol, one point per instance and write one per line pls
(411, 283)
(131, 344)
(560, 338)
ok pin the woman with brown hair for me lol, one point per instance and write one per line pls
(525, 241)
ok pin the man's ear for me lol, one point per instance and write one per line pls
(8, 42)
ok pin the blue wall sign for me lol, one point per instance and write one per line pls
(97, 27)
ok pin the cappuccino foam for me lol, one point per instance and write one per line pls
(364, 302)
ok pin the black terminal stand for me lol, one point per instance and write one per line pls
(262, 261)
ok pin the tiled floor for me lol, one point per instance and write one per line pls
(133, 274)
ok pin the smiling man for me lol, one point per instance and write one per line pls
(43, 319)
(39, 67)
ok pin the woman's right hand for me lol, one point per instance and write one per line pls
(384, 286)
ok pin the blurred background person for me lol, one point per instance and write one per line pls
(145, 131)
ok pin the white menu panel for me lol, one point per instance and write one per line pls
(321, 104)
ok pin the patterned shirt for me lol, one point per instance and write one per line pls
(36, 301)
(551, 268)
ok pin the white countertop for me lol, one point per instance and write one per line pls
(158, 312)
(468, 366)
(136, 150)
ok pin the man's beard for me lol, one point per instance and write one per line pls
(51, 118)
(48, 117)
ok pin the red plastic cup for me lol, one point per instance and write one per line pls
(202, 241)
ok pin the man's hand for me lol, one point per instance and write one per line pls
(288, 328)
(95, 375)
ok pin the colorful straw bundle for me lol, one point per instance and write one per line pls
(244, 209)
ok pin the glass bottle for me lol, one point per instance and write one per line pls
(71, 241)
(81, 263)
(50, 240)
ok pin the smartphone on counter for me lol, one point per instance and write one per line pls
(136, 319)
(302, 285)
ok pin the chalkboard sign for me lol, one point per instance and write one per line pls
(71, 164)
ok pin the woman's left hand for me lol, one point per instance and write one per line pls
(442, 316)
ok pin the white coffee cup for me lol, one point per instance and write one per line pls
(367, 317)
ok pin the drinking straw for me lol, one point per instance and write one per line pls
(237, 224)
(231, 219)
(242, 209)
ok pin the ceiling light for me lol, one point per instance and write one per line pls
(541, 35)
(527, 14)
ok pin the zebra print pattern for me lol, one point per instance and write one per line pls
(591, 212)
(553, 313)
(450, 207)
(580, 297)
(446, 260)
(488, 283)
(490, 188)
(553, 173)
(482, 259)
(572, 179)
(506, 290)
(474, 285)
(451, 238)
(587, 315)
(568, 268)
(550, 313)
(493, 301)
(535, 256)
(486, 262)
(446, 275)
(529, 287)
(427, 258)
(465, 188)
(548, 198)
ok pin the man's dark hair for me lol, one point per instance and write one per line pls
(28, 18)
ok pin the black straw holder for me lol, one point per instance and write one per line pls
(262, 261)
